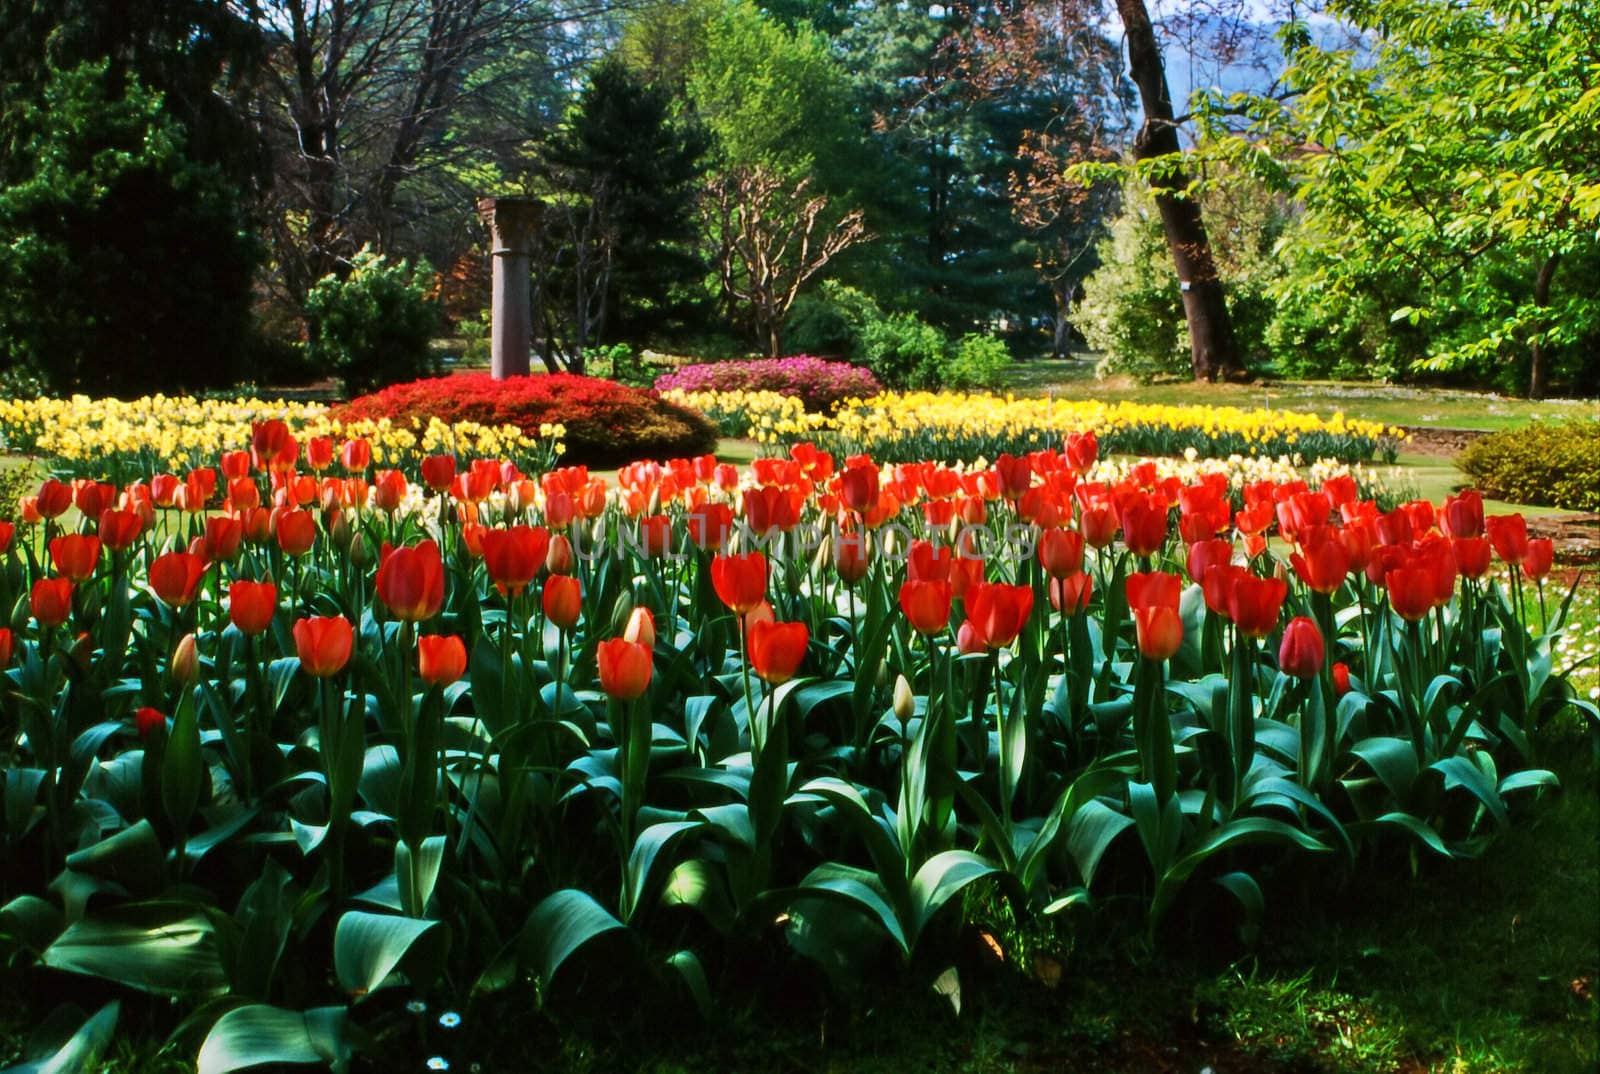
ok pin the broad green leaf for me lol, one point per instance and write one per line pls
(164, 948)
(367, 948)
(559, 925)
(256, 1035)
(1090, 832)
(81, 1052)
(940, 877)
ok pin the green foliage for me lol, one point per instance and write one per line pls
(1132, 308)
(830, 320)
(1463, 198)
(124, 265)
(977, 361)
(1556, 464)
(903, 352)
(372, 327)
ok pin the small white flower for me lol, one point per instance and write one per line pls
(438, 1062)
(416, 1006)
(449, 1019)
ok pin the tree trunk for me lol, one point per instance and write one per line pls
(1537, 374)
(1213, 350)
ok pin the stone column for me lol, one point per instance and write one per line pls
(512, 223)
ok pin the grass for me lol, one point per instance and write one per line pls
(1390, 404)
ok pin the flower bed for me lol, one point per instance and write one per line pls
(603, 423)
(112, 439)
(953, 426)
(819, 384)
(448, 727)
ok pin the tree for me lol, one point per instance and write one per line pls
(124, 263)
(769, 237)
(619, 256)
(1457, 151)
(1213, 351)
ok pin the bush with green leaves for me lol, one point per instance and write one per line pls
(372, 327)
(976, 361)
(1133, 309)
(1554, 465)
(904, 352)
(830, 321)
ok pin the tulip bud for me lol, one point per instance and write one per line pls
(341, 531)
(184, 667)
(360, 551)
(905, 703)
(641, 628)
(559, 558)
(1302, 653)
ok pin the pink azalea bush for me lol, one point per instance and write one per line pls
(819, 384)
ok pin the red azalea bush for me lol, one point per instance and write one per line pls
(606, 423)
(819, 384)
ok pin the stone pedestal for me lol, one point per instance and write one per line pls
(512, 223)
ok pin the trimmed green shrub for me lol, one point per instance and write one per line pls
(1551, 465)
(373, 326)
(903, 352)
(977, 361)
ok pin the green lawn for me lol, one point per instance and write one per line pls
(1391, 404)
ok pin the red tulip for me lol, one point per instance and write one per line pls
(355, 455)
(740, 581)
(223, 535)
(297, 532)
(998, 612)
(1341, 679)
(1061, 552)
(441, 658)
(323, 644)
(1082, 451)
(319, 453)
(965, 572)
(75, 555)
(147, 721)
(8, 530)
(272, 446)
(1153, 597)
(1099, 525)
(1071, 594)
(1509, 535)
(439, 472)
(6, 642)
(558, 560)
(563, 600)
(1541, 554)
(235, 465)
(388, 489)
(411, 581)
(175, 577)
(625, 668)
(655, 534)
(117, 529)
(777, 650)
(1325, 561)
(1473, 556)
(514, 556)
(850, 556)
(1255, 603)
(243, 494)
(926, 605)
(709, 524)
(1144, 524)
(858, 487)
(1301, 653)
(251, 605)
(1410, 592)
(1015, 475)
(54, 498)
(51, 601)
(1203, 555)
(1462, 516)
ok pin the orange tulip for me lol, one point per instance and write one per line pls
(175, 577)
(926, 605)
(1302, 654)
(563, 600)
(223, 535)
(513, 556)
(411, 581)
(297, 532)
(51, 601)
(1061, 552)
(740, 581)
(251, 605)
(998, 612)
(323, 644)
(75, 555)
(777, 650)
(441, 658)
(625, 668)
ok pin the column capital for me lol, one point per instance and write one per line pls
(512, 222)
